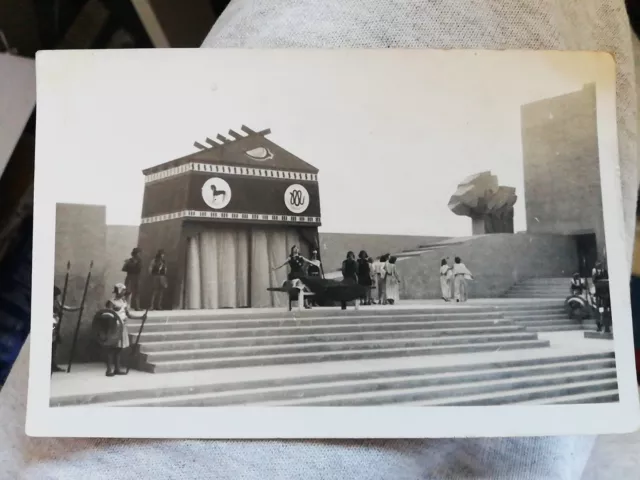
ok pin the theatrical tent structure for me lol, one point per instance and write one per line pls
(225, 217)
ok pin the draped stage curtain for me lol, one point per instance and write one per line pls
(231, 268)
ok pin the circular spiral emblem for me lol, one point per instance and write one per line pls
(216, 193)
(296, 198)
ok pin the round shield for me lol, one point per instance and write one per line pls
(577, 307)
(107, 327)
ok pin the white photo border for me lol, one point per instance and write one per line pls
(338, 422)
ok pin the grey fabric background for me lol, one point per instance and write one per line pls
(491, 24)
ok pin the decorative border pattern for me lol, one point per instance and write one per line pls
(230, 170)
(247, 217)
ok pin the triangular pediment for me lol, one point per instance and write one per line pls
(249, 149)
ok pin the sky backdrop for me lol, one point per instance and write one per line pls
(392, 132)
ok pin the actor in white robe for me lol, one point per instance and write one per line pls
(461, 275)
(446, 277)
(392, 282)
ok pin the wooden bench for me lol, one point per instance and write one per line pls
(294, 294)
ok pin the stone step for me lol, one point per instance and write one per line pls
(533, 317)
(575, 361)
(556, 328)
(483, 392)
(605, 396)
(342, 384)
(320, 312)
(200, 339)
(301, 346)
(543, 282)
(460, 319)
(161, 334)
(537, 293)
(556, 310)
(547, 322)
(534, 393)
(595, 335)
(545, 287)
(362, 354)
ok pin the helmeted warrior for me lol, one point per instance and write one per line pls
(110, 325)
(58, 309)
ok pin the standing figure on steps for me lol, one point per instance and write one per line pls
(461, 275)
(446, 275)
(118, 304)
(58, 308)
(133, 267)
(392, 282)
(158, 272)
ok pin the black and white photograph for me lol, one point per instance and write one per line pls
(433, 233)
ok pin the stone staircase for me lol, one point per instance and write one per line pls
(188, 341)
(559, 379)
(541, 288)
(544, 317)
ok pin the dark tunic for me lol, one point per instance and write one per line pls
(296, 267)
(364, 272)
(577, 287)
(159, 275)
(350, 271)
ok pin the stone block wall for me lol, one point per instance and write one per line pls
(81, 235)
(334, 246)
(497, 261)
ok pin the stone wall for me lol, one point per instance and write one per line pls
(121, 239)
(561, 165)
(82, 236)
(334, 246)
(497, 262)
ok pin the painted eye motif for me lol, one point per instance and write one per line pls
(259, 154)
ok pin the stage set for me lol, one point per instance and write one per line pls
(225, 217)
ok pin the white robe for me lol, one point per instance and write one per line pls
(446, 276)
(460, 276)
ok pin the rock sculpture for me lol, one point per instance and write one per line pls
(489, 205)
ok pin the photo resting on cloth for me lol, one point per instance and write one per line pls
(329, 244)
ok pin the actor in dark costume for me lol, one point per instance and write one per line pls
(297, 264)
(58, 308)
(364, 276)
(118, 304)
(133, 267)
(578, 286)
(314, 269)
(600, 278)
(158, 272)
(350, 269)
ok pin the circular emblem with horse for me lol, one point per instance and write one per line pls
(296, 198)
(216, 193)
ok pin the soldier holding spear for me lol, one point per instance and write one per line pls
(59, 308)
